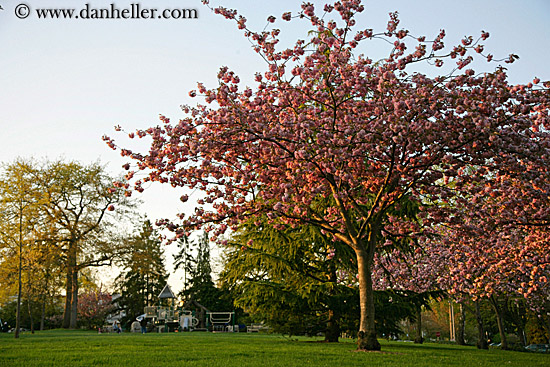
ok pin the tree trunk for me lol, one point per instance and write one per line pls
(147, 291)
(18, 312)
(20, 281)
(333, 329)
(74, 300)
(71, 267)
(43, 298)
(518, 316)
(332, 333)
(68, 296)
(500, 322)
(522, 336)
(419, 339)
(29, 292)
(43, 311)
(366, 337)
(461, 326)
(482, 342)
(30, 314)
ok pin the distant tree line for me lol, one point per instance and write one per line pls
(57, 221)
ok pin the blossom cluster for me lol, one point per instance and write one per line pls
(363, 138)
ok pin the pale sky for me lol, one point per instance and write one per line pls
(65, 83)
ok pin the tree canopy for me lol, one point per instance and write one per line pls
(57, 213)
(363, 136)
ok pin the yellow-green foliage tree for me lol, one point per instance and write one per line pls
(18, 220)
(65, 207)
(78, 201)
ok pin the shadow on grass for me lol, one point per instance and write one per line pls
(430, 346)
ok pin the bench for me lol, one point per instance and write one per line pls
(254, 328)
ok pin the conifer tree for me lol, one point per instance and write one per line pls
(144, 274)
(200, 286)
(296, 279)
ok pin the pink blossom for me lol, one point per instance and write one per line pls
(344, 143)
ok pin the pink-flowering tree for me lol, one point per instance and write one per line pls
(362, 137)
(93, 308)
(415, 272)
(496, 240)
(477, 259)
(495, 244)
(510, 263)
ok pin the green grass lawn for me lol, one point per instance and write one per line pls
(82, 348)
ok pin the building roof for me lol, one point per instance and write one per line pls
(166, 293)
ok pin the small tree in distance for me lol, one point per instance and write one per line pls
(199, 286)
(93, 308)
(363, 137)
(144, 274)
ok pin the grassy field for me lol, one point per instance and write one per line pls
(81, 348)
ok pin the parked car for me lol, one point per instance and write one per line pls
(543, 348)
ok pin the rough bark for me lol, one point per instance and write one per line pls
(74, 300)
(68, 297)
(332, 332)
(71, 265)
(366, 337)
(482, 342)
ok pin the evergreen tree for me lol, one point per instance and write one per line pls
(301, 282)
(200, 287)
(295, 279)
(144, 273)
